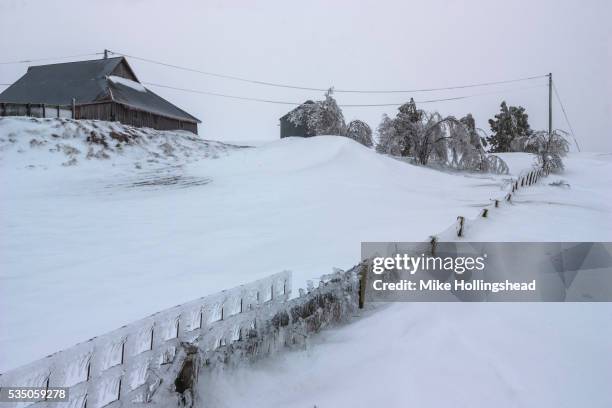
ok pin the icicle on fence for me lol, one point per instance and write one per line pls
(125, 365)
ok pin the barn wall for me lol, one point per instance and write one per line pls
(100, 111)
(116, 112)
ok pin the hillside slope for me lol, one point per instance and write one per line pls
(126, 231)
(462, 354)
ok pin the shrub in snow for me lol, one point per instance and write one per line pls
(360, 132)
(511, 123)
(549, 148)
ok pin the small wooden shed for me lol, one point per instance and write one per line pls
(104, 89)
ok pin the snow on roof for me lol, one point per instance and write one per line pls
(127, 82)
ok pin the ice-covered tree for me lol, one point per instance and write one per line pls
(550, 149)
(387, 138)
(467, 150)
(327, 117)
(396, 136)
(512, 122)
(429, 137)
(321, 117)
(408, 125)
(360, 132)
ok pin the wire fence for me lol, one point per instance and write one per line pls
(525, 179)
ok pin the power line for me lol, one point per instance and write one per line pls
(343, 105)
(565, 115)
(279, 85)
(244, 98)
(50, 58)
(213, 74)
(475, 85)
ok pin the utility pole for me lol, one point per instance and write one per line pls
(549, 105)
(105, 54)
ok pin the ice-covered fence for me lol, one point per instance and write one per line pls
(127, 365)
(278, 325)
(266, 330)
(36, 110)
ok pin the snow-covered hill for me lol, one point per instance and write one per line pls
(87, 245)
(462, 354)
(44, 143)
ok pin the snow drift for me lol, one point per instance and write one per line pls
(144, 220)
(104, 224)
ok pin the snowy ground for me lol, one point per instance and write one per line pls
(87, 245)
(578, 210)
(468, 355)
(438, 355)
(91, 246)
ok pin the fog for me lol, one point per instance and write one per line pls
(348, 45)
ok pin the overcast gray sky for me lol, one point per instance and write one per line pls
(321, 43)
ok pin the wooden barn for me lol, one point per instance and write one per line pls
(104, 89)
(288, 128)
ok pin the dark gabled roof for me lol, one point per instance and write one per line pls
(147, 101)
(87, 82)
(308, 102)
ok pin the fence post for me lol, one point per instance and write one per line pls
(362, 283)
(496, 203)
(484, 213)
(73, 108)
(434, 242)
(460, 222)
(508, 197)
